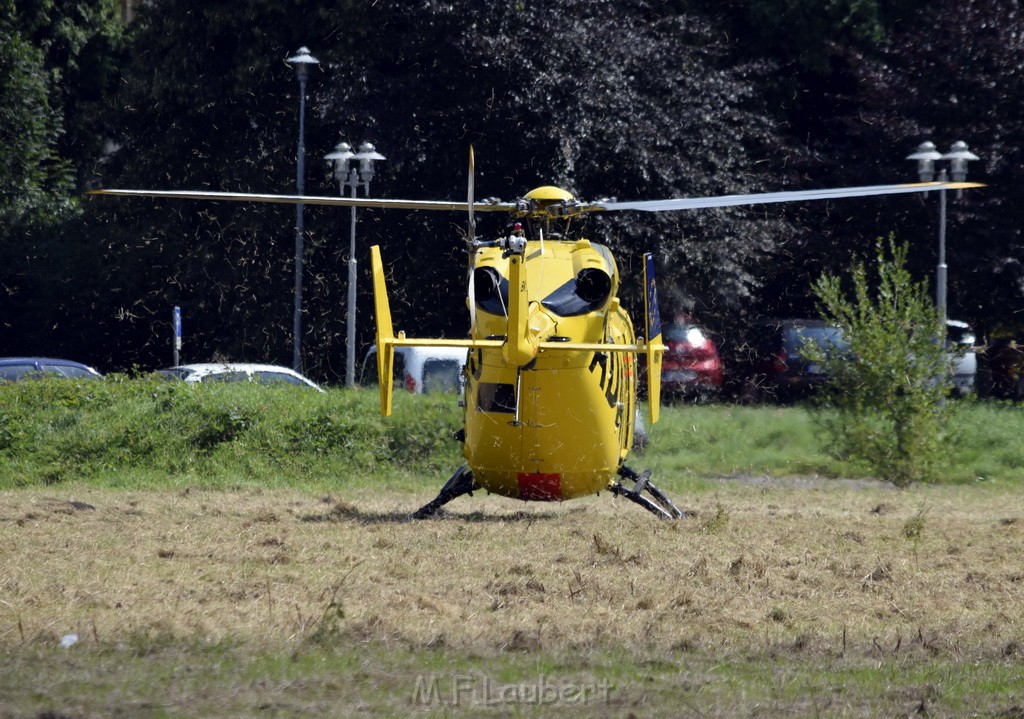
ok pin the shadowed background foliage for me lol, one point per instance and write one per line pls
(635, 100)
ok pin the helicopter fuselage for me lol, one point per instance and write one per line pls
(545, 424)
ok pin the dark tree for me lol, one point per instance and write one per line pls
(207, 101)
(629, 100)
(634, 100)
(866, 86)
(808, 34)
(29, 130)
(56, 62)
(958, 74)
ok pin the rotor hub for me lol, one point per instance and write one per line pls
(548, 202)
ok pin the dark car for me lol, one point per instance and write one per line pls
(772, 362)
(691, 367)
(13, 369)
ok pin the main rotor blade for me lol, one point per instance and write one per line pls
(696, 203)
(311, 200)
(685, 203)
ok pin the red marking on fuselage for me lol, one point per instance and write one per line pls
(539, 486)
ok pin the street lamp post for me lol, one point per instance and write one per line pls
(360, 172)
(926, 156)
(301, 61)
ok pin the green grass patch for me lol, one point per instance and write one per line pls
(697, 441)
(154, 433)
(227, 679)
(720, 440)
(150, 433)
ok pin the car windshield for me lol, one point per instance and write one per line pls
(175, 373)
(226, 377)
(277, 378)
(15, 372)
(441, 375)
(963, 336)
(65, 370)
(829, 338)
(369, 376)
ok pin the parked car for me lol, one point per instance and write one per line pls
(960, 341)
(420, 370)
(238, 372)
(13, 369)
(772, 362)
(691, 366)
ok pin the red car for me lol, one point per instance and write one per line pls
(691, 367)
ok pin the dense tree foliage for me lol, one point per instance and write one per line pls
(873, 80)
(603, 98)
(809, 33)
(597, 96)
(208, 103)
(56, 64)
(35, 177)
(637, 100)
(958, 74)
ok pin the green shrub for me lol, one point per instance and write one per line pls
(890, 395)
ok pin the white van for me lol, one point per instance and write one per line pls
(960, 341)
(421, 370)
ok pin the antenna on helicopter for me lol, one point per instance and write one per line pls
(469, 200)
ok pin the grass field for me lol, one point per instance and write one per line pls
(267, 586)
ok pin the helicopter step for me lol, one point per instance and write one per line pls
(462, 482)
(662, 506)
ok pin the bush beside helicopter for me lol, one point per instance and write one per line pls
(551, 372)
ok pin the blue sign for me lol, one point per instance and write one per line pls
(177, 333)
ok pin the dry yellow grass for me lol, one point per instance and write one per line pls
(938, 571)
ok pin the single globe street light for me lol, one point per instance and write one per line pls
(301, 61)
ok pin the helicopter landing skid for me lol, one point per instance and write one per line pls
(462, 482)
(662, 506)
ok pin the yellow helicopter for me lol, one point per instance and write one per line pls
(551, 372)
